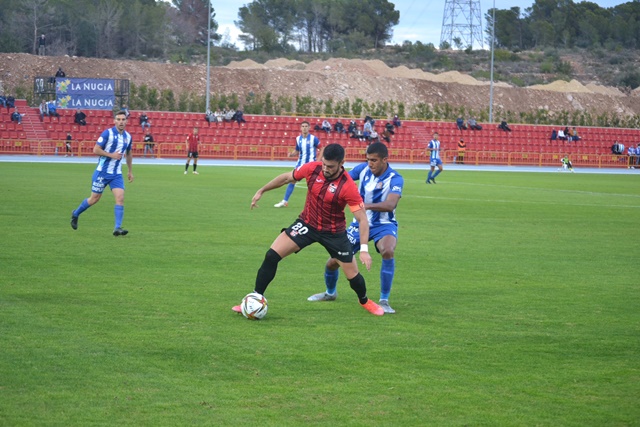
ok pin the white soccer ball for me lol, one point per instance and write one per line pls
(254, 306)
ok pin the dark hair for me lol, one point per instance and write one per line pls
(378, 148)
(333, 152)
(120, 112)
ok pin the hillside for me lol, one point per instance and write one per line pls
(370, 80)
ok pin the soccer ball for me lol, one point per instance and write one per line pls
(254, 306)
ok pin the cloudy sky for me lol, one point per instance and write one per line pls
(420, 20)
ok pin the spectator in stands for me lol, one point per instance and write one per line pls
(367, 128)
(144, 121)
(16, 116)
(631, 152)
(44, 110)
(561, 135)
(567, 133)
(396, 121)
(386, 135)
(461, 124)
(574, 135)
(193, 141)
(473, 125)
(239, 117)
(373, 137)
(352, 127)
(638, 154)
(339, 127)
(80, 118)
(67, 145)
(326, 126)
(60, 73)
(504, 126)
(554, 135)
(209, 117)
(42, 43)
(462, 146)
(3, 101)
(370, 120)
(228, 116)
(617, 148)
(149, 144)
(219, 116)
(52, 108)
(390, 128)
(11, 102)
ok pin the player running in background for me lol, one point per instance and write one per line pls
(330, 190)
(381, 188)
(193, 140)
(434, 159)
(112, 146)
(307, 146)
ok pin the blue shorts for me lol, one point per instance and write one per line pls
(375, 233)
(435, 162)
(101, 179)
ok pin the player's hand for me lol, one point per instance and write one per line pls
(254, 201)
(130, 177)
(365, 258)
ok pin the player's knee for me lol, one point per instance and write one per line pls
(272, 257)
(332, 264)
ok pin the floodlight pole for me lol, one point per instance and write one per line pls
(493, 43)
(208, 53)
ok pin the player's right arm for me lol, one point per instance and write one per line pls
(277, 182)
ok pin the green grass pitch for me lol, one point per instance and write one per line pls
(517, 298)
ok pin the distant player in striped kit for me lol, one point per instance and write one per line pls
(434, 159)
(307, 147)
(113, 145)
(380, 187)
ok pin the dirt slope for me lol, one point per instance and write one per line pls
(337, 78)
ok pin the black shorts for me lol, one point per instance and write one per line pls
(192, 155)
(337, 244)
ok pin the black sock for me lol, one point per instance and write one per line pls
(186, 167)
(360, 288)
(267, 271)
(195, 166)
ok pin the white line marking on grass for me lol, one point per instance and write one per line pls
(466, 199)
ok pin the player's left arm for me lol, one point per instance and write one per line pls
(388, 205)
(129, 157)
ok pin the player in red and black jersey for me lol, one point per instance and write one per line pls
(193, 140)
(321, 221)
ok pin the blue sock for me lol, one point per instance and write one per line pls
(83, 207)
(331, 280)
(429, 176)
(387, 271)
(436, 174)
(287, 194)
(118, 210)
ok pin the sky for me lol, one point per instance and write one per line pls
(420, 20)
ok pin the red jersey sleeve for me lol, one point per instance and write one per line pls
(352, 195)
(305, 170)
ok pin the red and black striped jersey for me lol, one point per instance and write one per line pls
(326, 200)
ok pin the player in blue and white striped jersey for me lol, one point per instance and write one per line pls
(307, 146)
(113, 145)
(380, 187)
(434, 159)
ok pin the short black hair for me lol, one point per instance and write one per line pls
(378, 148)
(333, 152)
(124, 113)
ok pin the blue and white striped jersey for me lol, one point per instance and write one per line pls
(435, 154)
(375, 189)
(307, 149)
(112, 141)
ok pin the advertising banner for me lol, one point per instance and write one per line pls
(89, 94)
